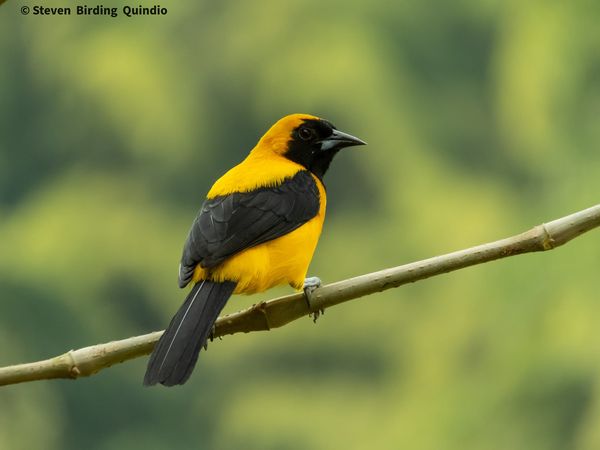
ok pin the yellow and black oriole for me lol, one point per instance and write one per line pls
(257, 228)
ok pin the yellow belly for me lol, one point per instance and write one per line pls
(284, 260)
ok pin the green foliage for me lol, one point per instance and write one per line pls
(482, 120)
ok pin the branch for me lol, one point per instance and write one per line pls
(280, 311)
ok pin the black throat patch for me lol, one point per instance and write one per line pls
(304, 147)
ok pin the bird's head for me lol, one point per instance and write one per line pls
(307, 140)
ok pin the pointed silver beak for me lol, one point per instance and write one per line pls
(339, 139)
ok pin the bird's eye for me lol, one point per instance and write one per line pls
(305, 133)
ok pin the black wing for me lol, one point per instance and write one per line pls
(231, 223)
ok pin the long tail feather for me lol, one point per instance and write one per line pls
(176, 352)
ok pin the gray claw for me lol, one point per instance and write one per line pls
(310, 284)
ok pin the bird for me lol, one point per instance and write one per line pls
(258, 228)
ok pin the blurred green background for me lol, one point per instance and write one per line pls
(482, 119)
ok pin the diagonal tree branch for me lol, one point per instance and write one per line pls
(280, 311)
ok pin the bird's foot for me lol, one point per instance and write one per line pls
(211, 336)
(310, 284)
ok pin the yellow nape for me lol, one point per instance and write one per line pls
(276, 139)
(266, 164)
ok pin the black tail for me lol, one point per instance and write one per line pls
(176, 353)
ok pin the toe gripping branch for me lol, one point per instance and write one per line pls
(310, 285)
